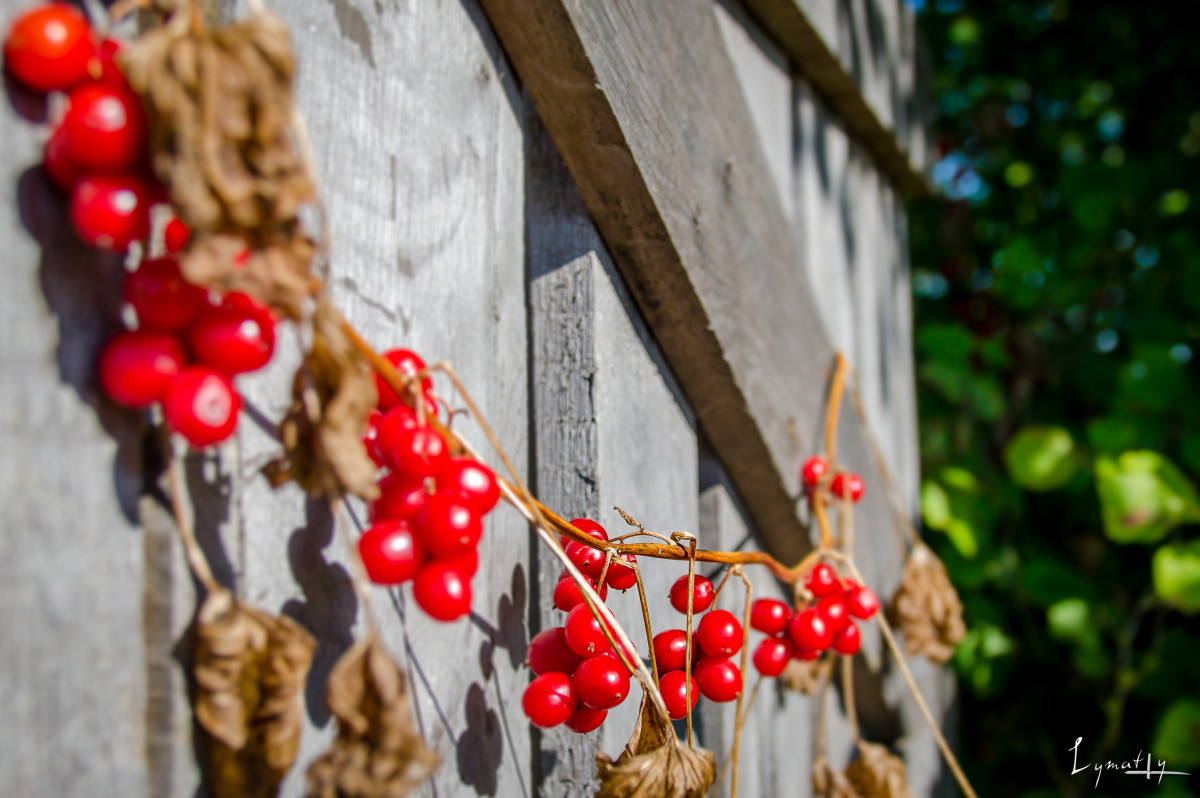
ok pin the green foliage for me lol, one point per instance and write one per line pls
(1143, 496)
(1041, 458)
(1177, 739)
(1177, 575)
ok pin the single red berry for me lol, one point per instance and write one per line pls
(420, 453)
(399, 497)
(549, 700)
(106, 128)
(393, 422)
(802, 652)
(584, 525)
(676, 688)
(49, 47)
(567, 594)
(202, 406)
(719, 679)
(601, 682)
(621, 576)
(548, 651)
(588, 560)
(62, 170)
(833, 610)
(443, 591)
(409, 364)
(110, 212)
(448, 526)
(719, 633)
(584, 634)
(106, 64)
(771, 656)
(848, 641)
(390, 552)
(848, 486)
(586, 719)
(808, 629)
(702, 594)
(861, 602)
(811, 472)
(471, 480)
(769, 616)
(670, 650)
(823, 581)
(162, 299)
(175, 235)
(138, 368)
(371, 438)
(232, 339)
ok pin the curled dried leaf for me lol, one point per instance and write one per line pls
(378, 752)
(829, 783)
(655, 763)
(926, 607)
(877, 773)
(332, 395)
(806, 676)
(278, 274)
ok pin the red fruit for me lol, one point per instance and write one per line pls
(106, 128)
(49, 47)
(771, 656)
(811, 472)
(702, 594)
(162, 299)
(420, 453)
(409, 364)
(833, 610)
(202, 406)
(467, 564)
(106, 59)
(719, 633)
(676, 688)
(371, 438)
(584, 634)
(588, 560)
(471, 480)
(849, 484)
(823, 581)
(670, 650)
(175, 235)
(232, 339)
(390, 552)
(719, 679)
(448, 526)
(585, 720)
(802, 652)
(861, 602)
(110, 212)
(138, 368)
(601, 682)
(584, 525)
(769, 616)
(62, 170)
(621, 576)
(443, 591)
(848, 641)
(808, 629)
(548, 651)
(393, 422)
(399, 497)
(567, 594)
(549, 700)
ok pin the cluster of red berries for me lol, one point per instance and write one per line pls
(428, 519)
(579, 676)
(844, 484)
(807, 632)
(97, 152)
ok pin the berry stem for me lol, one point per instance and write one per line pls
(637, 570)
(739, 715)
(833, 404)
(687, 655)
(183, 517)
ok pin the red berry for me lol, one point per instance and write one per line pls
(702, 594)
(848, 641)
(851, 485)
(62, 170)
(676, 687)
(106, 128)
(588, 560)
(399, 497)
(371, 438)
(408, 364)
(670, 650)
(771, 656)
(601, 682)
(802, 652)
(833, 610)
(232, 339)
(621, 576)
(468, 564)
(811, 472)
(861, 602)
(549, 700)
(49, 47)
(443, 591)
(399, 419)
(823, 581)
(584, 634)
(471, 480)
(548, 651)
(719, 633)
(769, 616)
(448, 526)
(110, 212)
(808, 629)
(202, 406)
(567, 594)
(586, 719)
(175, 235)
(584, 525)
(110, 71)
(390, 552)
(138, 368)
(718, 678)
(160, 296)
(420, 453)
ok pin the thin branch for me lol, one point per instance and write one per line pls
(739, 716)
(183, 517)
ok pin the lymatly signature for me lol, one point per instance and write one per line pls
(1128, 767)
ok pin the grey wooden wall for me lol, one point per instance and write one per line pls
(460, 230)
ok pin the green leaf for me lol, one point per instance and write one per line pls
(1176, 571)
(1143, 496)
(1047, 580)
(1177, 739)
(935, 505)
(1069, 619)
(1041, 458)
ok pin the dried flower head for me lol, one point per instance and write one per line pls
(877, 773)
(829, 783)
(926, 607)
(655, 764)
(806, 676)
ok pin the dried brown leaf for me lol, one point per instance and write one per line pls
(806, 676)
(655, 763)
(279, 274)
(378, 752)
(926, 607)
(877, 773)
(829, 783)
